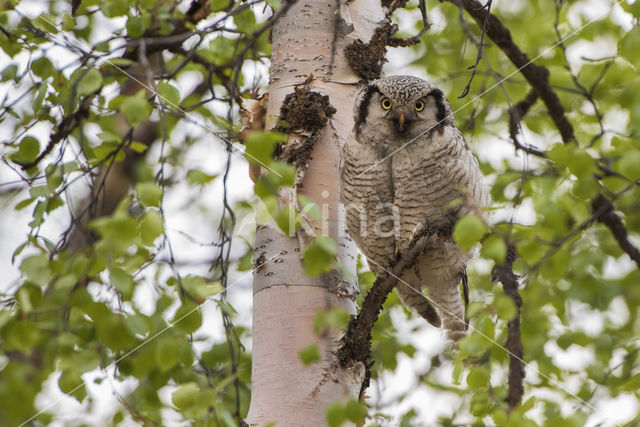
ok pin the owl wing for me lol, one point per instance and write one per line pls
(465, 176)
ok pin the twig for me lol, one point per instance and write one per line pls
(588, 94)
(536, 75)
(474, 67)
(606, 216)
(516, 113)
(67, 125)
(504, 274)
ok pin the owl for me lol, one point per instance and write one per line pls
(405, 168)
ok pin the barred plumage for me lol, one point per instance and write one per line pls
(406, 166)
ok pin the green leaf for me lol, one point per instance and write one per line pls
(138, 147)
(627, 165)
(581, 163)
(319, 256)
(120, 228)
(197, 177)
(113, 8)
(169, 94)
(219, 52)
(632, 384)
(560, 153)
(26, 202)
(36, 103)
(112, 331)
(505, 307)
(68, 22)
(149, 193)
(46, 22)
(335, 414)
(186, 395)
(136, 108)
(630, 46)
(166, 353)
(21, 335)
(43, 68)
(586, 188)
(468, 231)
(226, 307)
(245, 21)
(123, 282)
(53, 173)
(200, 287)
(219, 5)
(188, 318)
(37, 269)
(135, 26)
(355, 411)
(10, 72)
(309, 354)
(90, 81)
(261, 145)
(478, 377)
(493, 247)
(28, 150)
(474, 344)
(338, 317)
(71, 383)
(151, 226)
(633, 8)
(274, 4)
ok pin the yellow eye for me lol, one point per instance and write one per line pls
(385, 103)
(419, 105)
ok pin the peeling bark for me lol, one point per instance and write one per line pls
(308, 40)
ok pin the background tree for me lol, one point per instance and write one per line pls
(128, 238)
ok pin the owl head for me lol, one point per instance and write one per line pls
(395, 108)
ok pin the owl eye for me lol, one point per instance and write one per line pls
(385, 103)
(419, 105)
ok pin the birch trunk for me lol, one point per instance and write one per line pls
(308, 40)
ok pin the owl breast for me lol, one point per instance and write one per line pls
(367, 194)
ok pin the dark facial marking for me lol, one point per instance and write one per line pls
(440, 101)
(364, 105)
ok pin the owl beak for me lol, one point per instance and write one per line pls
(400, 122)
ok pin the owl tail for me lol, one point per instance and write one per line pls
(446, 297)
(414, 299)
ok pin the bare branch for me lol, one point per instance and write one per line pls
(516, 113)
(603, 206)
(504, 274)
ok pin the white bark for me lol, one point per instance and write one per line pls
(309, 39)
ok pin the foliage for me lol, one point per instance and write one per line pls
(105, 297)
(90, 98)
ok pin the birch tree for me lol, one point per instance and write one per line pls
(311, 75)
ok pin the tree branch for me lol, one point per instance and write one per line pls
(504, 274)
(536, 75)
(516, 113)
(67, 125)
(355, 346)
(474, 67)
(604, 209)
